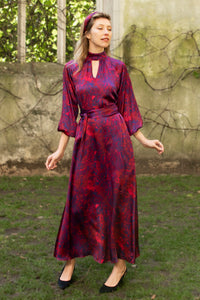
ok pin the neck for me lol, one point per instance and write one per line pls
(95, 49)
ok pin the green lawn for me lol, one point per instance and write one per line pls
(169, 265)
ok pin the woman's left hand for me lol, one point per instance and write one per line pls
(155, 144)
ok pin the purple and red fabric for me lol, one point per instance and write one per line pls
(100, 216)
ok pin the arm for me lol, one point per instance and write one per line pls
(51, 162)
(67, 123)
(155, 144)
(126, 102)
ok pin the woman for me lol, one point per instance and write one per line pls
(100, 216)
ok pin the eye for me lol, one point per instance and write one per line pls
(100, 28)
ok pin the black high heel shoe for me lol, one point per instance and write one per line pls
(62, 283)
(110, 289)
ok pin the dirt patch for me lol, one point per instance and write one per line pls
(15, 168)
(157, 167)
(143, 167)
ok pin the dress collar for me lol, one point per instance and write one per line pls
(96, 56)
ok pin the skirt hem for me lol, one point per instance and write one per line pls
(100, 261)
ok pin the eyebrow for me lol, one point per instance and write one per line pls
(104, 25)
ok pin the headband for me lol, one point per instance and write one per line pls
(87, 20)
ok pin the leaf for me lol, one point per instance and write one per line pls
(41, 23)
(196, 74)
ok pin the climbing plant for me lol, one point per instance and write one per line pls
(41, 28)
(8, 30)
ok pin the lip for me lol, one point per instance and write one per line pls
(105, 39)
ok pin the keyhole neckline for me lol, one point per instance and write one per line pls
(97, 70)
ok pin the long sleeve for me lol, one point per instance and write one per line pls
(69, 113)
(127, 104)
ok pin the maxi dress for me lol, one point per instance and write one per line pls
(100, 216)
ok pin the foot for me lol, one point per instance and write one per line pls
(68, 270)
(117, 273)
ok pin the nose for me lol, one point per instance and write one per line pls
(106, 31)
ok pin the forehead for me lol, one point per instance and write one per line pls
(102, 21)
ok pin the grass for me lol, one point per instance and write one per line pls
(169, 265)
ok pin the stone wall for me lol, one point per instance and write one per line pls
(30, 105)
(160, 43)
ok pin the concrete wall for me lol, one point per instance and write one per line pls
(160, 43)
(30, 105)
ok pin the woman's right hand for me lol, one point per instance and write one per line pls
(51, 162)
(53, 159)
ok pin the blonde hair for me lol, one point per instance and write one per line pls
(82, 46)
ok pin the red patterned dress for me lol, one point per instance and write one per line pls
(100, 216)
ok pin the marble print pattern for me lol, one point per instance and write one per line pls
(100, 216)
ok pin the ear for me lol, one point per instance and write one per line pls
(88, 35)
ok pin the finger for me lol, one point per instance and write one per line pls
(48, 162)
(50, 165)
(159, 145)
(161, 150)
(53, 167)
(48, 159)
(53, 164)
(47, 165)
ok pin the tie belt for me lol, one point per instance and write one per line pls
(107, 111)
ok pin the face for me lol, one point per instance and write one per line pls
(100, 35)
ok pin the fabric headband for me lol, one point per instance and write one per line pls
(87, 19)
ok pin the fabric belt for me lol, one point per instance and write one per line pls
(107, 111)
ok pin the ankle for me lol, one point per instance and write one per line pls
(120, 265)
(70, 262)
(68, 270)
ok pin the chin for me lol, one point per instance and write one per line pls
(105, 44)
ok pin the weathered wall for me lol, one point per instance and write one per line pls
(160, 43)
(30, 106)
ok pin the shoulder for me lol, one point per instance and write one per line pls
(70, 67)
(117, 64)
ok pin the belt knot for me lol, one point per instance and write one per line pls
(106, 111)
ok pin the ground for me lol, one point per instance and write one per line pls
(169, 264)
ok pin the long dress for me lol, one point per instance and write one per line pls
(100, 216)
